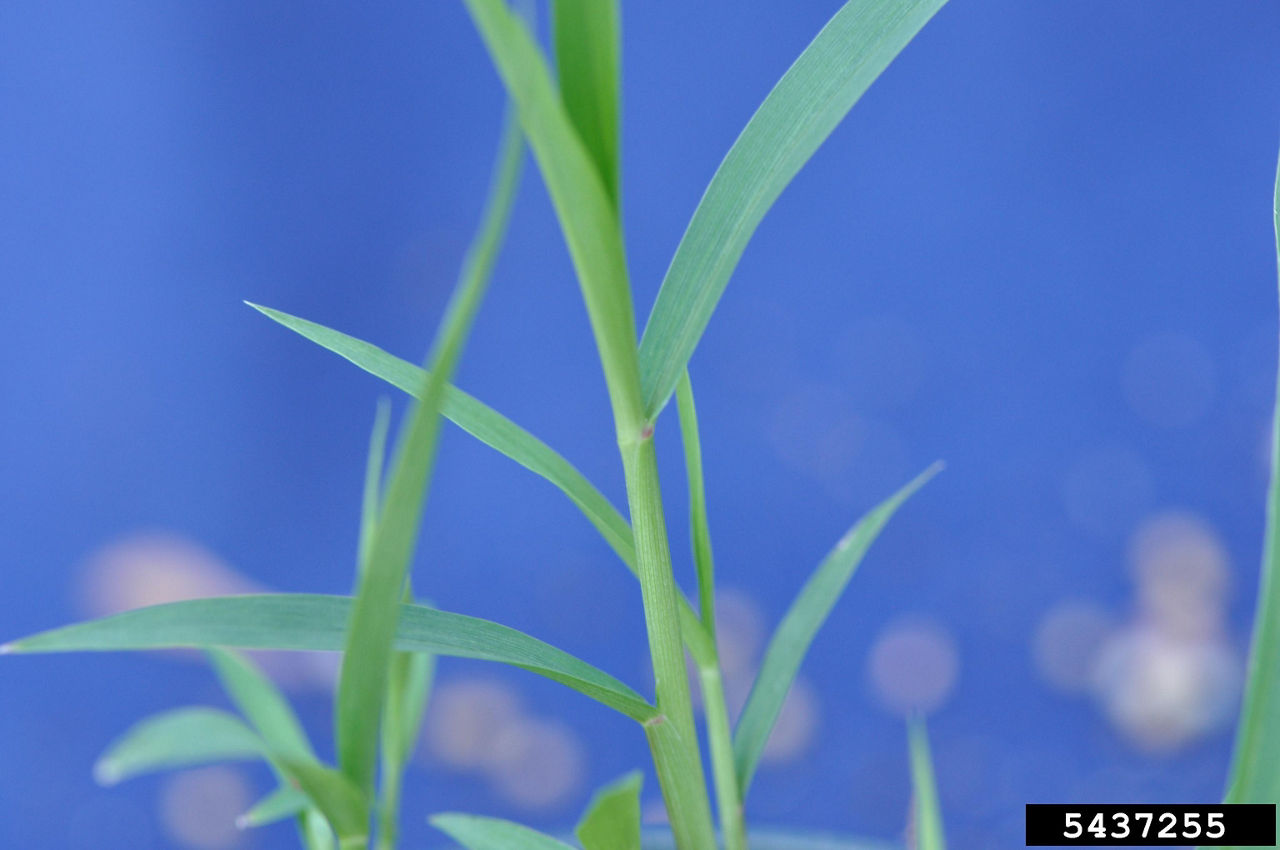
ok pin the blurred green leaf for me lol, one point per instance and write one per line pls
(284, 802)
(341, 802)
(791, 640)
(261, 703)
(477, 833)
(183, 737)
(1255, 765)
(612, 818)
(587, 48)
(318, 623)
(367, 655)
(928, 815)
(780, 839)
(369, 502)
(816, 92)
(699, 527)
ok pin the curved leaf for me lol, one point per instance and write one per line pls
(284, 802)
(262, 704)
(477, 833)
(318, 623)
(791, 640)
(612, 819)
(183, 737)
(828, 78)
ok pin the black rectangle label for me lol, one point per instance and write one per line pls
(1236, 825)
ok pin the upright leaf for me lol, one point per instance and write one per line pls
(262, 703)
(612, 819)
(368, 651)
(477, 833)
(699, 527)
(183, 737)
(343, 805)
(1255, 768)
(928, 814)
(787, 647)
(828, 78)
(583, 206)
(318, 623)
(369, 502)
(587, 48)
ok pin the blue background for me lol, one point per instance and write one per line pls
(1032, 190)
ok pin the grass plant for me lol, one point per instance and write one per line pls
(570, 122)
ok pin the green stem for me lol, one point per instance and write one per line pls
(728, 798)
(673, 740)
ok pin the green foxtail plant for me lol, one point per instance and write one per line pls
(390, 642)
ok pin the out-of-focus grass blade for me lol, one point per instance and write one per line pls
(798, 628)
(804, 107)
(183, 737)
(367, 656)
(479, 420)
(777, 839)
(477, 833)
(262, 703)
(612, 818)
(341, 802)
(315, 830)
(373, 476)
(587, 48)
(1255, 767)
(699, 528)
(587, 217)
(928, 814)
(318, 623)
(284, 802)
(412, 674)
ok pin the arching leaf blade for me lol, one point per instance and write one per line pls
(477, 833)
(183, 737)
(805, 106)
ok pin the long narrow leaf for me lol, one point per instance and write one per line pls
(479, 420)
(699, 527)
(587, 49)
(495, 430)
(183, 737)
(787, 648)
(1255, 768)
(318, 623)
(368, 652)
(612, 819)
(477, 833)
(777, 839)
(284, 802)
(928, 814)
(828, 78)
(587, 217)
(369, 502)
(262, 703)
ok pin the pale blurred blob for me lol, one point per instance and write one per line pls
(198, 808)
(740, 630)
(1068, 643)
(1169, 380)
(1106, 490)
(797, 724)
(1168, 675)
(153, 568)
(480, 726)
(882, 360)
(913, 666)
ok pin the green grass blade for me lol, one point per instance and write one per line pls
(791, 640)
(699, 528)
(1255, 768)
(777, 839)
(318, 623)
(282, 803)
(587, 217)
(368, 652)
(477, 833)
(262, 704)
(369, 502)
(612, 818)
(183, 737)
(480, 421)
(341, 802)
(823, 84)
(587, 49)
(928, 814)
(315, 831)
